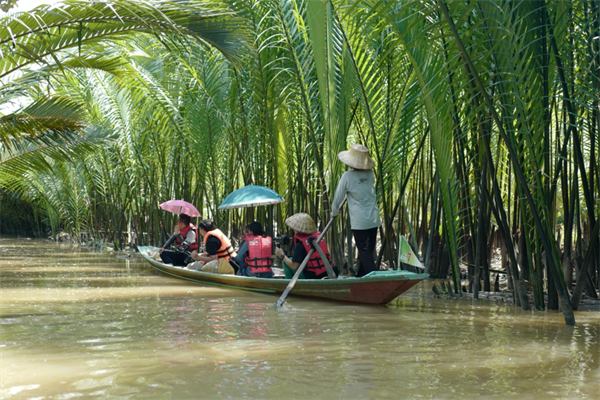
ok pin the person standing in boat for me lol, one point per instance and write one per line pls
(216, 244)
(304, 228)
(185, 236)
(358, 186)
(255, 255)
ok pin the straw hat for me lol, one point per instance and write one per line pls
(301, 222)
(357, 157)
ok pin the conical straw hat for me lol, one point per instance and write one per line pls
(301, 222)
(357, 157)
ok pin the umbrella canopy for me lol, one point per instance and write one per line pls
(180, 207)
(251, 196)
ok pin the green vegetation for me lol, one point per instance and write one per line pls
(482, 116)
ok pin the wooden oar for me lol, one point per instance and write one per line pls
(292, 283)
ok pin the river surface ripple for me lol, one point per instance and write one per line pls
(88, 324)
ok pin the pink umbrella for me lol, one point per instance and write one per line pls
(180, 207)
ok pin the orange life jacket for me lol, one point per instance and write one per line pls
(315, 264)
(258, 258)
(225, 251)
(184, 231)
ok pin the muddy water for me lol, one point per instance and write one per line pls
(81, 323)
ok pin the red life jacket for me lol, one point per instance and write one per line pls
(258, 258)
(225, 251)
(184, 231)
(315, 264)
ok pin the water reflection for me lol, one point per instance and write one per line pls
(87, 324)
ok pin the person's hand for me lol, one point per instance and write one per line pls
(176, 229)
(279, 252)
(160, 250)
(194, 254)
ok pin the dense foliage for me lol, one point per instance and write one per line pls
(482, 117)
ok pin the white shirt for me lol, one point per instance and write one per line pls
(190, 237)
(359, 189)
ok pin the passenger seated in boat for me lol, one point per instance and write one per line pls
(304, 227)
(217, 245)
(255, 255)
(186, 238)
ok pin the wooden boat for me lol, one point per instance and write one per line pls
(378, 287)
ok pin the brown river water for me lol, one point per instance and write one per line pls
(81, 323)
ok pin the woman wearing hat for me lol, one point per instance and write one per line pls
(304, 227)
(358, 186)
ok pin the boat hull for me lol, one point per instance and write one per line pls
(378, 288)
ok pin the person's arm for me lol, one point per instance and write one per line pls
(191, 236)
(171, 239)
(168, 243)
(203, 257)
(212, 247)
(340, 193)
(241, 253)
(293, 263)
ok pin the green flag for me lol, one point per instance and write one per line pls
(407, 255)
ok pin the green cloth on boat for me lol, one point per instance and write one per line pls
(289, 272)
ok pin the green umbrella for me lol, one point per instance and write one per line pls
(251, 196)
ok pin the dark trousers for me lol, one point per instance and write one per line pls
(171, 257)
(365, 243)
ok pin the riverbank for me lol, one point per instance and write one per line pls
(439, 289)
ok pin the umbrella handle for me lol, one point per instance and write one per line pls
(292, 283)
